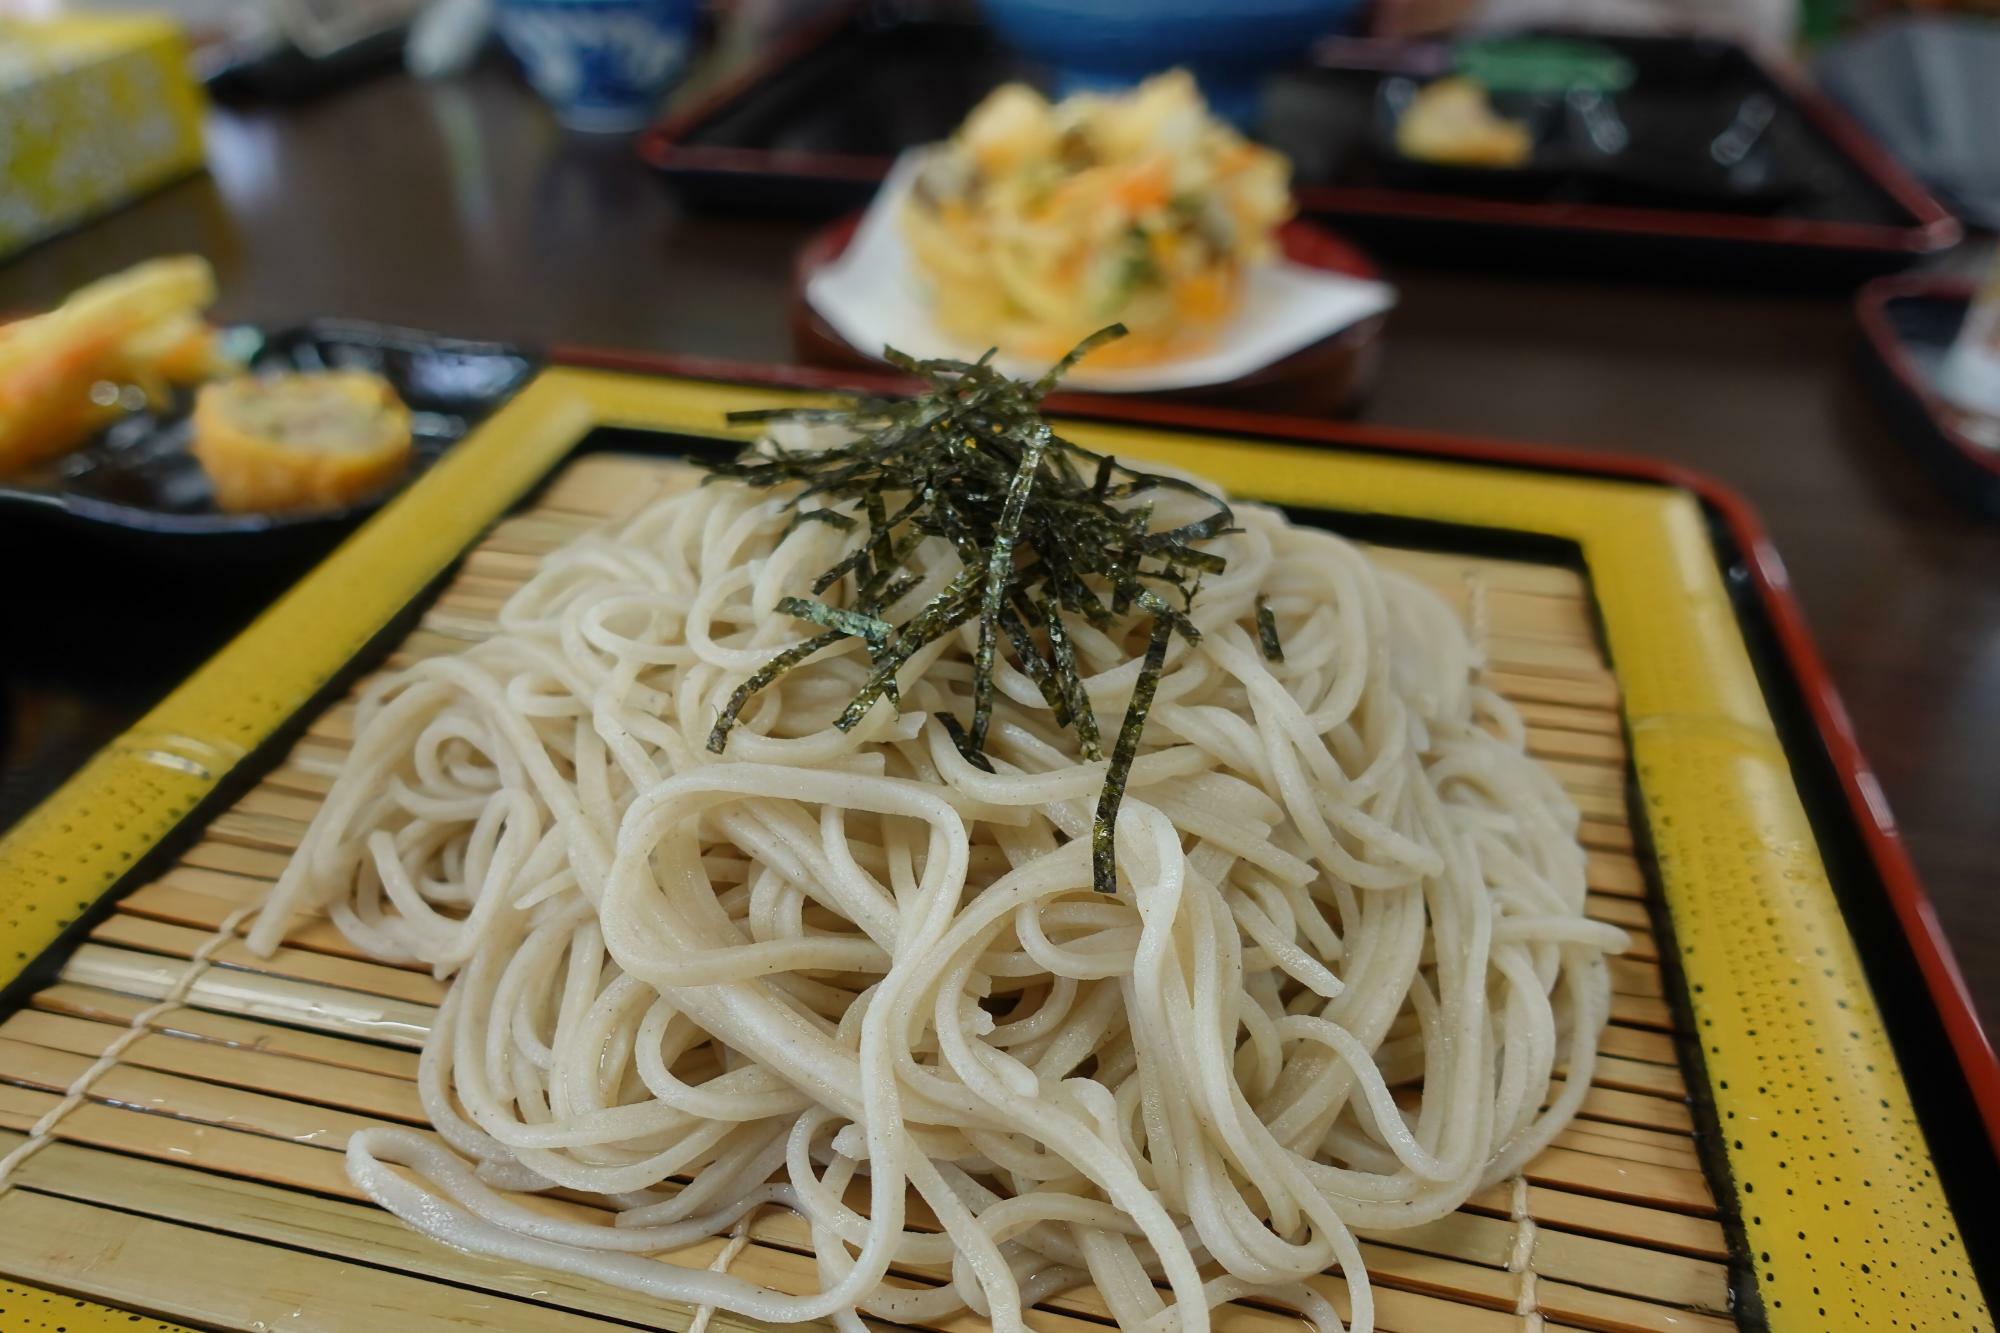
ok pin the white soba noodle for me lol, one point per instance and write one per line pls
(1345, 983)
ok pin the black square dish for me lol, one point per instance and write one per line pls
(137, 480)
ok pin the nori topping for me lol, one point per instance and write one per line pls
(873, 629)
(1103, 828)
(763, 676)
(1267, 632)
(1035, 518)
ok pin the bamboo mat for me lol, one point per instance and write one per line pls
(197, 1175)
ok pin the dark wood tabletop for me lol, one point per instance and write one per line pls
(462, 208)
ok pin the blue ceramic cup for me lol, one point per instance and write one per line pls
(602, 65)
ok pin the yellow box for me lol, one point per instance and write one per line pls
(93, 112)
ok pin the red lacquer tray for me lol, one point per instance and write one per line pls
(813, 126)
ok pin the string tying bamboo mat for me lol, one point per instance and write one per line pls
(174, 1108)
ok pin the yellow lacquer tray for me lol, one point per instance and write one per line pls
(1793, 1110)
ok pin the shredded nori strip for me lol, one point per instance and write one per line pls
(1267, 632)
(1063, 656)
(1103, 829)
(943, 614)
(763, 676)
(873, 629)
(1046, 529)
(999, 571)
(964, 743)
(832, 517)
(1050, 377)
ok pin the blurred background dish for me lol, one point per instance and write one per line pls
(124, 342)
(270, 50)
(1037, 223)
(875, 295)
(1929, 88)
(300, 441)
(1970, 376)
(1230, 45)
(602, 65)
(1909, 328)
(1769, 26)
(1452, 122)
(1330, 377)
(137, 482)
(293, 49)
(1553, 118)
(1629, 180)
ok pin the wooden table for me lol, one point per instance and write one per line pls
(462, 208)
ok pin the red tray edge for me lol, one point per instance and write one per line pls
(664, 147)
(1871, 308)
(1863, 792)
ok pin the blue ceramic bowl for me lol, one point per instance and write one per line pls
(602, 65)
(1228, 44)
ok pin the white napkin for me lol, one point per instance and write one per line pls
(872, 298)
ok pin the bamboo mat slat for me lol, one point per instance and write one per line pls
(347, 1231)
(211, 1147)
(1633, 1043)
(321, 1007)
(231, 1066)
(122, 1009)
(179, 1272)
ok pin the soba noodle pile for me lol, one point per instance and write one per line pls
(853, 975)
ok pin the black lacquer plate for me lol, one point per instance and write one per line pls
(122, 576)
(137, 480)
